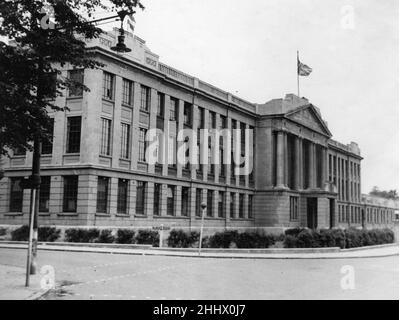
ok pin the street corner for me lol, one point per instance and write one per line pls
(12, 284)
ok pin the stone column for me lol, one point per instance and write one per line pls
(324, 173)
(298, 163)
(166, 133)
(280, 167)
(311, 171)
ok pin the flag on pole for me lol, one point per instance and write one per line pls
(303, 69)
(130, 21)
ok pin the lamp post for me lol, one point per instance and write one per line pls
(203, 208)
(33, 182)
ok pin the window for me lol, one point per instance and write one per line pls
(76, 79)
(232, 205)
(125, 141)
(293, 208)
(73, 134)
(102, 194)
(16, 195)
(250, 206)
(140, 197)
(142, 144)
(47, 146)
(70, 193)
(145, 98)
(161, 105)
(19, 151)
(44, 194)
(198, 200)
(241, 206)
(123, 193)
(209, 205)
(185, 200)
(221, 204)
(212, 120)
(187, 114)
(221, 158)
(105, 137)
(108, 86)
(157, 199)
(173, 109)
(170, 209)
(127, 92)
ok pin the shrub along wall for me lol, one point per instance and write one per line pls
(349, 238)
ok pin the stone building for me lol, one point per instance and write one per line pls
(96, 172)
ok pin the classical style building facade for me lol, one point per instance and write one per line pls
(96, 172)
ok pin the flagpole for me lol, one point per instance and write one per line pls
(297, 70)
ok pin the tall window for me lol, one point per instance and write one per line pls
(16, 195)
(232, 205)
(105, 137)
(123, 192)
(170, 210)
(185, 200)
(19, 151)
(145, 98)
(125, 141)
(47, 146)
(241, 206)
(157, 199)
(198, 199)
(102, 194)
(250, 206)
(187, 114)
(127, 92)
(108, 86)
(73, 134)
(221, 204)
(140, 197)
(76, 79)
(293, 208)
(44, 194)
(161, 105)
(70, 193)
(173, 109)
(209, 205)
(142, 144)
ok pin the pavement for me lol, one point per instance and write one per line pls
(90, 275)
(12, 274)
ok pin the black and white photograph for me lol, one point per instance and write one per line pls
(199, 154)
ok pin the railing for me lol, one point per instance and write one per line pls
(176, 74)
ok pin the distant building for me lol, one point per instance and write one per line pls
(96, 171)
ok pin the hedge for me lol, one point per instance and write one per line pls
(182, 239)
(145, 236)
(228, 239)
(349, 238)
(45, 234)
(125, 236)
(82, 235)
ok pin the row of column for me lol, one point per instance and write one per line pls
(282, 163)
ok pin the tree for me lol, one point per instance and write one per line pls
(391, 194)
(30, 76)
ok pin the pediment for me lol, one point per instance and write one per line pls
(309, 117)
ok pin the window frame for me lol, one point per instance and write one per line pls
(73, 148)
(73, 196)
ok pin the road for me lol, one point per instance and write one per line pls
(115, 276)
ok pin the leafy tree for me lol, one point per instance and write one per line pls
(391, 194)
(30, 63)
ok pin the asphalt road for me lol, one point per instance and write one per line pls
(114, 276)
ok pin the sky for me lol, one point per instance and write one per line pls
(249, 49)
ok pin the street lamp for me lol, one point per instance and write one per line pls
(121, 46)
(203, 207)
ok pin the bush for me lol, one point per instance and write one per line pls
(106, 236)
(3, 231)
(349, 238)
(148, 237)
(223, 239)
(125, 236)
(182, 239)
(20, 234)
(81, 235)
(293, 232)
(48, 234)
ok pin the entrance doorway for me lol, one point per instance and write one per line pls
(312, 213)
